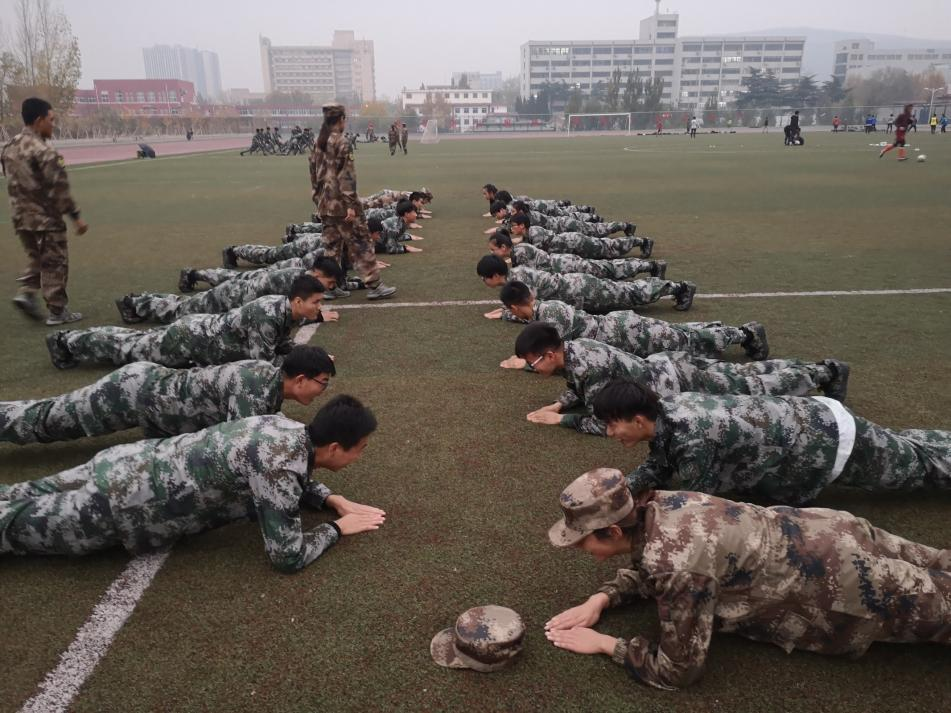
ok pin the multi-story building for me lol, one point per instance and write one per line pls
(344, 70)
(200, 67)
(467, 107)
(479, 80)
(693, 69)
(860, 58)
(142, 97)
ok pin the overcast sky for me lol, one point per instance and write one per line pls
(424, 41)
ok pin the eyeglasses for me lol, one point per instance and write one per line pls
(535, 363)
(324, 383)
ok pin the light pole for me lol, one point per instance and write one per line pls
(931, 105)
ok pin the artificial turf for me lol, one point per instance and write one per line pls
(471, 487)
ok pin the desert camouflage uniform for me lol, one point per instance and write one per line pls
(394, 138)
(620, 269)
(404, 138)
(591, 293)
(641, 336)
(814, 579)
(582, 245)
(147, 495)
(258, 330)
(334, 178)
(167, 308)
(576, 223)
(784, 449)
(162, 401)
(39, 197)
(590, 365)
(269, 254)
(393, 236)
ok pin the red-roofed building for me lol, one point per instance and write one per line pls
(142, 97)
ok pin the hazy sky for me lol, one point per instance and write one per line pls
(424, 41)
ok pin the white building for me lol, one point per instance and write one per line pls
(694, 69)
(861, 58)
(479, 80)
(467, 107)
(344, 70)
(200, 67)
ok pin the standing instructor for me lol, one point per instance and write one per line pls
(334, 180)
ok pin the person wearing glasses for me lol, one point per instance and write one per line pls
(167, 402)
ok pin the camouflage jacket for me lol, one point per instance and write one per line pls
(235, 293)
(384, 198)
(814, 579)
(258, 330)
(335, 177)
(575, 288)
(393, 235)
(259, 467)
(777, 447)
(37, 184)
(378, 213)
(529, 255)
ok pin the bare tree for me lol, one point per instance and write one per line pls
(47, 51)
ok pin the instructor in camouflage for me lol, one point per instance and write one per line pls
(815, 579)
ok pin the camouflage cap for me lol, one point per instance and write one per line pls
(484, 639)
(597, 499)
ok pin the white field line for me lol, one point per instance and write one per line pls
(305, 333)
(700, 296)
(93, 639)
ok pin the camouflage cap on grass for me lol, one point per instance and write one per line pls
(484, 639)
(597, 499)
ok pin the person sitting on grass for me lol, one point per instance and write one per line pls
(588, 366)
(146, 496)
(815, 579)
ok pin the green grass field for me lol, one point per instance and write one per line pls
(470, 486)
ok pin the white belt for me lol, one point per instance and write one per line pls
(846, 426)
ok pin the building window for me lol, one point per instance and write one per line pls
(666, 35)
(753, 60)
(774, 46)
(691, 48)
(622, 50)
(602, 50)
(664, 61)
(752, 48)
(601, 63)
(140, 97)
(667, 49)
(583, 63)
(773, 59)
(642, 50)
(120, 97)
(150, 96)
(581, 50)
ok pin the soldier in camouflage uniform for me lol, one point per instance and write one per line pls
(815, 579)
(270, 254)
(214, 276)
(526, 254)
(588, 366)
(258, 330)
(573, 223)
(404, 138)
(542, 205)
(146, 496)
(585, 291)
(39, 197)
(389, 197)
(630, 332)
(390, 240)
(167, 308)
(578, 244)
(334, 180)
(168, 402)
(394, 138)
(784, 449)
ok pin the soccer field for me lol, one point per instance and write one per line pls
(470, 487)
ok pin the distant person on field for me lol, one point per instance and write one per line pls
(902, 123)
(660, 126)
(891, 124)
(766, 124)
(39, 197)
(944, 123)
(933, 123)
(835, 124)
(404, 137)
(913, 124)
(694, 124)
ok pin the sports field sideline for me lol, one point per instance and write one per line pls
(469, 486)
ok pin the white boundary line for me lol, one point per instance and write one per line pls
(77, 663)
(700, 296)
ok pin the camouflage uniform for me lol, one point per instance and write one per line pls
(641, 336)
(162, 401)
(394, 138)
(814, 579)
(147, 495)
(167, 308)
(590, 365)
(215, 276)
(621, 269)
(269, 254)
(380, 213)
(576, 223)
(39, 197)
(582, 245)
(404, 138)
(258, 330)
(591, 293)
(550, 206)
(334, 178)
(393, 236)
(785, 449)
(385, 198)
(295, 229)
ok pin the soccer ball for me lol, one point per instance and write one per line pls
(922, 158)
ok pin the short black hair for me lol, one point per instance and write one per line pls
(342, 420)
(404, 207)
(490, 188)
(504, 196)
(623, 399)
(536, 339)
(374, 225)
(497, 206)
(330, 267)
(515, 293)
(34, 108)
(492, 265)
(521, 219)
(521, 207)
(305, 286)
(502, 239)
(309, 361)
(416, 195)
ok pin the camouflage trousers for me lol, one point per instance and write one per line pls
(597, 230)
(118, 345)
(215, 276)
(48, 267)
(166, 308)
(63, 514)
(676, 372)
(613, 295)
(296, 229)
(110, 404)
(268, 255)
(643, 336)
(339, 236)
(592, 248)
(883, 459)
(617, 269)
